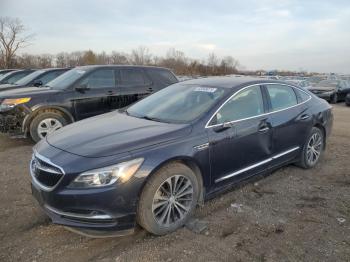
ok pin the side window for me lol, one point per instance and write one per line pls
(245, 104)
(163, 76)
(281, 96)
(302, 96)
(132, 77)
(100, 79)
(49, 76)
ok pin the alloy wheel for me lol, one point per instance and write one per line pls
(314, 148)
(48, 126)
(172, 201)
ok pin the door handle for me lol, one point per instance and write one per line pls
(110, 92)
(264, 129)
(304, 117)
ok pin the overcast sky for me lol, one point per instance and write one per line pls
(262, 34)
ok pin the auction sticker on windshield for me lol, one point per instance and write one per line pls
(205, 89)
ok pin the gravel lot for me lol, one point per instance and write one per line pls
(291, 215)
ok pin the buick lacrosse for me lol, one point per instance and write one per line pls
(152, 163)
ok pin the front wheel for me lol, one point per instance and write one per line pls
(334, 98)
(313, 149)
(46, 123)
(168, 199)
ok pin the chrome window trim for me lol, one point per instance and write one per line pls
(45, 159)
(257, 164)
(272, 112)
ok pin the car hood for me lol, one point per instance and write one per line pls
(25, 91)
(322, 88)
(114, 133)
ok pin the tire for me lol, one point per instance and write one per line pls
(151, 210)
(305, 154)
(347, 101)
(49, 117)
(334, 98)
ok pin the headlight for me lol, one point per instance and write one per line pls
(108, 175)
(10, 103)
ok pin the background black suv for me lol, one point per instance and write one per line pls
(77, 94)
(35, 78)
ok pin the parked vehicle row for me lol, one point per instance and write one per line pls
(332, 91)
(5, 71)
(13, 76)
(34, 78)
(74, 95)
(152, 162)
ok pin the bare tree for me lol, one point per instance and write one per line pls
(119, 58)
(213, 62)
(12, 38)
(141, 56)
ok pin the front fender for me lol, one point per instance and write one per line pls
(39, 107)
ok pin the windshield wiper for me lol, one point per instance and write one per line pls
(155, 119)
(151, 118)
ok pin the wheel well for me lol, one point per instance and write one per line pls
(193, 166)
(62, 112)
(319, 126)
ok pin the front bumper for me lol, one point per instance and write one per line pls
(85, 211)
(11, 122)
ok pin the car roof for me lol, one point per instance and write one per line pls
(230, 81)
(53, 68)
(121, 66)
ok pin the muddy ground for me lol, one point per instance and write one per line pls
(291, 215)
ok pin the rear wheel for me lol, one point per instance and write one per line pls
(313, 149)
(46, 123)
(168, 199)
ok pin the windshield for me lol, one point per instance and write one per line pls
(178, 103)
(5, 75)
(29, 78)
(66, 79)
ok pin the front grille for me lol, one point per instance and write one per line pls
(45, 173)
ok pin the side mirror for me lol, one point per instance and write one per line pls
(37, 82)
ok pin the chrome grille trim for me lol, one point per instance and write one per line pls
(36, 155)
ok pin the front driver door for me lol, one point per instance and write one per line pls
(240, 137)
(94, 93)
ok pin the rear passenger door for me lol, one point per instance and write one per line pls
(290, 117)
(243, 147)
(94, 93)
(133, 84)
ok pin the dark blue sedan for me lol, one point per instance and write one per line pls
(152, 163)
